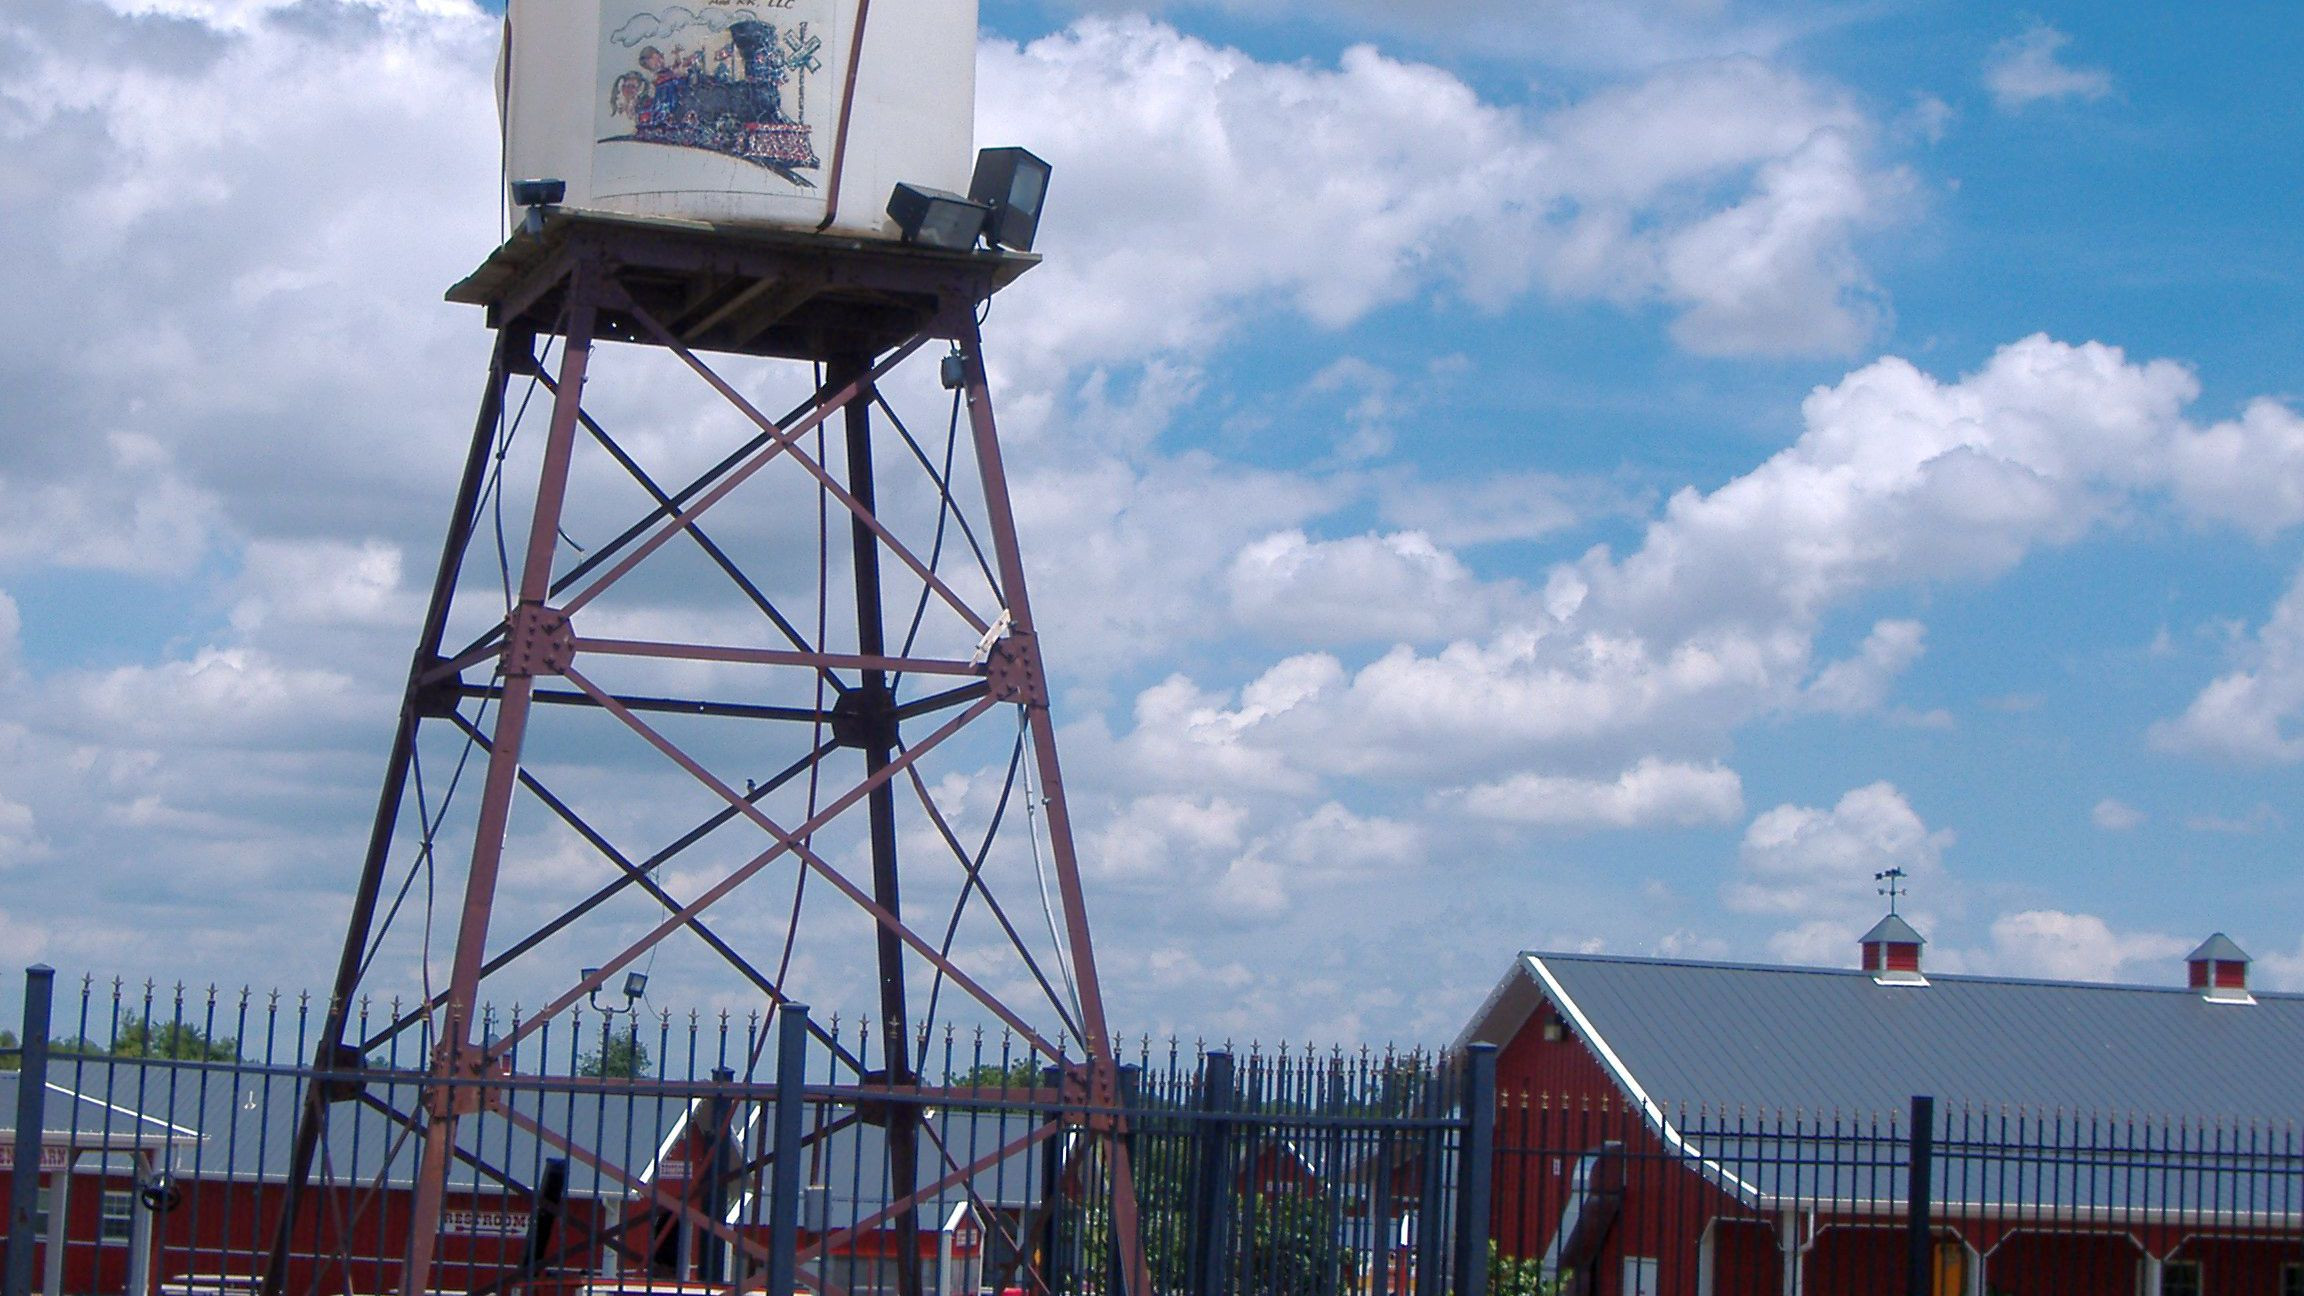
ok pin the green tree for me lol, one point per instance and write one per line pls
(177, 1040)
(1282, 1239)
(13, 1049)
(618, 1057)
(1021, 1074)
(1510, 1276)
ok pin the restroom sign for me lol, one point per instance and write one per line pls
(53, 1156)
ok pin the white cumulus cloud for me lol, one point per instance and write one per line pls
(1651, 793)
(1818, 867)
(1201, 185)
(1391, 588)
(2113, 815)
(2029, 67)
(2253, 714)
(2073, 947)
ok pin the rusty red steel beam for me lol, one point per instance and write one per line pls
(914, 1198)
(830, 485)
(794, 842)
(497, 790)
(656, 1191)
(773, 656)
(782, 440)
(1096, 1038)
(984, 1209)
(973, 869)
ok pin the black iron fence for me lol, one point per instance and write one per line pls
(629, 1152)
(1603, 1198)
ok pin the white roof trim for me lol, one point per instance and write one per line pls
(173, 1128)
(1631, 1085)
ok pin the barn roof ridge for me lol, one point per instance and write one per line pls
(1814, 969)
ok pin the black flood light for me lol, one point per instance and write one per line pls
(936, 217)
(1013, 183)
(635, 988)
(536, 195)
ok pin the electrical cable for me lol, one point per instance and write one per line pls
(1039, 868)
(816, 741)
(424, 862)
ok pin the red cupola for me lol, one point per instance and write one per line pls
(2219, 971)
(1892, 952)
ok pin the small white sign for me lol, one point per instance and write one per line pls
(53, 1156)
(482, 1223)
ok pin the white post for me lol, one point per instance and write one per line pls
(1788, 1241)
(2151, 1275)
(59, 1224)
(1704, 1256)
(140, 1229)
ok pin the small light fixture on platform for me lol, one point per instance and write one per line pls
(1013, 183)
(937, 218)
(635, 988)
(537, 196)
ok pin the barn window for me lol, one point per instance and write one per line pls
(2180, 1278)
(119, 1220)
(40, 1215)
(2292, 1279)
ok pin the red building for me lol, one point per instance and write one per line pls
(166, 1179)
(1679, 1128)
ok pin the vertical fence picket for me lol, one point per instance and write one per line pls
(31, 1112)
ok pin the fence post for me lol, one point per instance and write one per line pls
(1052, 1178)
(1918, 1190)
(1131, 1086)
(1380, 1183)
(784, 1175)
(1479, 1166)
(1212, 1178)
(31, 1104)
(712, 1261)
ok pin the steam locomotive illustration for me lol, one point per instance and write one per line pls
(726, 96)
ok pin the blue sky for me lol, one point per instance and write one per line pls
(1499, 476)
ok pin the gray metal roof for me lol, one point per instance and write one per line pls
(238, 1122)
(2220, 948)
(1894, 930)
(1776, 1039)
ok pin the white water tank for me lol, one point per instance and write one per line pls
(730, 110)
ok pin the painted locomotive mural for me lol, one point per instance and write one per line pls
(720, 78)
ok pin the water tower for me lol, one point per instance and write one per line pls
(686, 658)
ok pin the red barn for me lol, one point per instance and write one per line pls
(1679, 1128)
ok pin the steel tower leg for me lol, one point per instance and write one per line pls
(872, 726)
(512, 349)
(1103, 1057)
(532, 641)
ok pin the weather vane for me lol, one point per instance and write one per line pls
(1894, 878)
